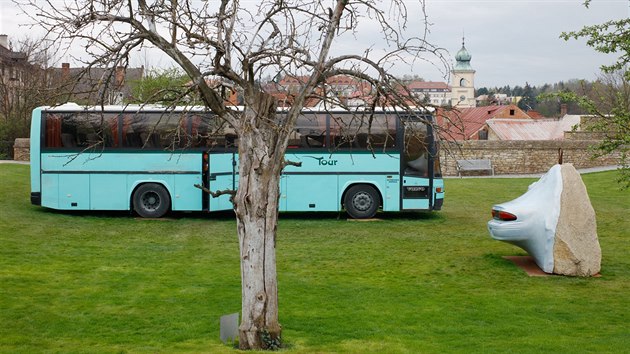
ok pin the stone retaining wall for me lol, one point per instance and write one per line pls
(508, 157)
(523, 157)
(22, 149)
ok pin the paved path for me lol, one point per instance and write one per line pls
(538, 175)
(15, 162)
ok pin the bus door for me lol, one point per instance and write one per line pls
(417, 166)
(222, 176)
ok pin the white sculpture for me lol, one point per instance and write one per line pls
(554, 222)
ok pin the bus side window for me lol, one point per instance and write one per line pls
(213, 133)
(67, 140)
(209, 131)
(295, 140)
(377, 134)
(198, 130)
(310, 131)
(133, 140)
(141, 132)
(164, 130)
(340, 132)
(313, 141)
(77, 130)
(106, 126)
(53, 130)
(112, 125)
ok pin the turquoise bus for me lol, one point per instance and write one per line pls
(149, 159)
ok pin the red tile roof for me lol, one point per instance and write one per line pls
(465, 123)
(427, 85)
(530, 129)
(535, 114)
(293, 80)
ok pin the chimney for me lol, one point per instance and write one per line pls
(120, 75)
(65, 70)
(563, 109)
(4, 41)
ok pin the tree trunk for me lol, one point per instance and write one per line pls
(256, 207)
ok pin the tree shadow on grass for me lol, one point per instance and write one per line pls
(43, 211)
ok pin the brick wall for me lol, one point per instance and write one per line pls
(522, 157)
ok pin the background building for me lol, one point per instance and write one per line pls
(435, 93)
(13, 66)
(89, 86)
(463, 80)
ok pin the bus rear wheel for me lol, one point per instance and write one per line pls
(151, 200)
(361, 201)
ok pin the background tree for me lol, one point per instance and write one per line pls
(611, 109)
(408, 78)
(165, 86)
(482, 91)
(22, 88)
(528, 99)
(242, 42)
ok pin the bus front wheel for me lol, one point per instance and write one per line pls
(361, 201)
(151, 200)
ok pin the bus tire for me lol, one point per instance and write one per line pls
(151, 200)
(362, 201)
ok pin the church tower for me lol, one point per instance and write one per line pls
(463, 80)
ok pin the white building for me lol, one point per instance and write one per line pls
(435, 93)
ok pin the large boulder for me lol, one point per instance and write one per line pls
(576, 249)
(554, 222)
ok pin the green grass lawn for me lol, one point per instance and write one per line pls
(411, 283)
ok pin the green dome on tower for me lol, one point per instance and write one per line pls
(463, 59)
(463, 55)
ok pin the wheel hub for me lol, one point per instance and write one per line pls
(151, 201)
(362, 201)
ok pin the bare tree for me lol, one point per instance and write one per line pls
(242, 42)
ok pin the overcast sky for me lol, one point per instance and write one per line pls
(511, 41)
(514, 41)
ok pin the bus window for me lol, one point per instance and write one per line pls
(80, 130)
(209, 131)
(380, 133)
(344, 128)
(131, 130)
(200, 125)
(310, 130)
(295, 138)
(154, 130)
(366, 131)
(416, 149)
(53, 131)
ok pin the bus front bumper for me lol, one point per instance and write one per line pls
(437, 204)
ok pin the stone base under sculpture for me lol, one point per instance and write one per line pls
(529, 266)
(576, 249)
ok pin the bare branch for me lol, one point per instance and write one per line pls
(216, 194)
(291, 163)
